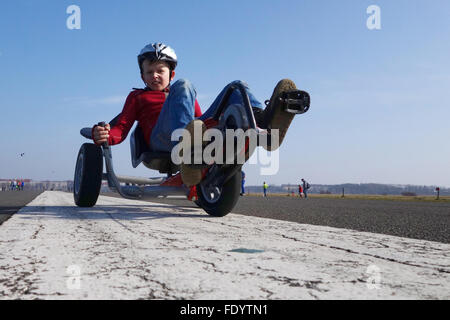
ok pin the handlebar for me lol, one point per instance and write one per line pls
(103, 124)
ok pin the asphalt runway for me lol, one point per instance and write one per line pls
(12, 201)
(127, 249)
(417, 220)
(410, 219)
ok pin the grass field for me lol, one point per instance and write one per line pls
(362, 197)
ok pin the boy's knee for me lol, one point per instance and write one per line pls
(239, 82)
(182, 84)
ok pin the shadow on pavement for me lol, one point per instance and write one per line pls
(13, 201)
(116, 212)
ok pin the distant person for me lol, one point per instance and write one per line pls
(22, 184)
(265, 187)
(243, 183)
(306, 186)
(300, 191)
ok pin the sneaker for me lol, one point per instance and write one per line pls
(190, 173)
(274, 115)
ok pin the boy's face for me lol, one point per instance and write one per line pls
(156, 75)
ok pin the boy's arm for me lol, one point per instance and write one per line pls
(120, 130)
(124, 122)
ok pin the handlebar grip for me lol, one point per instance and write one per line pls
(103, 124)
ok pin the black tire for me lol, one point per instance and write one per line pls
(88, 175)
(198, 203)
(226, 199)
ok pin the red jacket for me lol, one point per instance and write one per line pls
(143, 106)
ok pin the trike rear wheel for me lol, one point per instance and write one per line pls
(219, 201)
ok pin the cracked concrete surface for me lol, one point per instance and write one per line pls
(123, 249)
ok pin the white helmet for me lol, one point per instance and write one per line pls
(158, 51)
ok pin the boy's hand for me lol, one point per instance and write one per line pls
(101, 134)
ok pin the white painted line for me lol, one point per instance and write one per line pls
(123, 249)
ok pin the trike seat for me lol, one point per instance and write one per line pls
(141, 152)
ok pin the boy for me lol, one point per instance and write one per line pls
(160, 108)
(300, 191)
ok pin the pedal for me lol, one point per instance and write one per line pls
(296, 101)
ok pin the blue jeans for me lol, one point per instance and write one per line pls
(178, 111)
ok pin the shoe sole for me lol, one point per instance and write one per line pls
(276, 118)
(190, 175)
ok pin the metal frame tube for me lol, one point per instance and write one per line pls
(245, 98)
(136, 180)
(137, 192)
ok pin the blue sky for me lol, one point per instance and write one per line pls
(379, 108)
